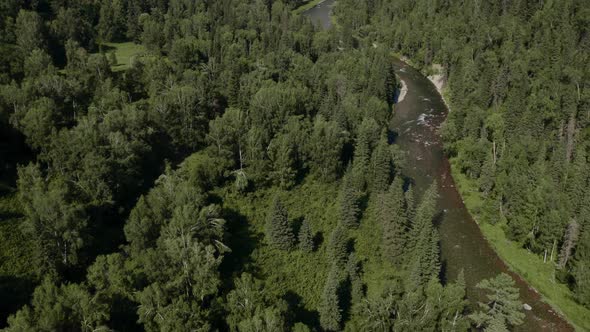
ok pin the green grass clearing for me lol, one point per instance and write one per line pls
(125, 53)
(528, 265)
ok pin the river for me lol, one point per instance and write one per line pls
(417, 120)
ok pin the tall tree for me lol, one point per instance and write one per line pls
(338, 246)
(392, 215)
(581, 268)
(381, 165)
(349, 205)
(569, 242)
(305, 237)
(53, 217)
(330, 310)
(503, 303)
(68, 307)
(278, 230)
(251, 308)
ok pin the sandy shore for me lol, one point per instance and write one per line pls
(403, 92)
(439, 83)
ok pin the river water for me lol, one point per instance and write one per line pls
(320, 14)
(417, 120)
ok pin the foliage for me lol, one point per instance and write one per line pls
(305, 237)
(279, 231)
(503, 304)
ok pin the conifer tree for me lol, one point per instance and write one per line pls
(453, 306)
(425, 257)
(497, 324)
(503, 303)
(337, 246)
(354, 276)
(581, 268)
(330, 311)
(569, 242)
(425, 213)
(305, 237)
(278, 230)
(349, 206)
(360, 164)
(392, 215)
(381, 165)
(410, 203)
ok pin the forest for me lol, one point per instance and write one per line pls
(227, 165)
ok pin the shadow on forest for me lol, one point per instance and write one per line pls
(242, 242)
(297, 313)
(318, 239)
(345, 297)
(14, 292)
(392, 136)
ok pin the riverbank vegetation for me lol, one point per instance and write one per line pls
(238, 175)
(517, 75)
(532, 267)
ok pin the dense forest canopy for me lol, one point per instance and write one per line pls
(238, 173)
(518, 75)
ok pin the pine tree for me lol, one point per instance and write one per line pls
(305, 237)
(410, 203)
(392, 215)
(360, 164)
(354, 276)
(497, 325)
(330, 311)
(349, 206)
(454, 304)
(381, 165)
(425, 213)
(487, 175)
(581, 268)
(425, 257)
(278, 230)
(338, 246)
(503, 303)
(569, 242)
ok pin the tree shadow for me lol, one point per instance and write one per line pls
(442, 274)
(345, 298)
(363, 203)
(14, 293)
(124, 315)
(318, 239)
(296, 225)
(392, 136)
(242, 242)
(297, 313)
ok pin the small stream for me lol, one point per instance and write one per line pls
(417, 120)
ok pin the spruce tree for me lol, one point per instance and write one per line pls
(360, 164)
(381, 165)
(502, 303)
(425, 257)
(581, 268)
(349, 206)
(278, 230)
(425, 213)
(330, 311)
(337, 246)
(354, 276)
(305, 237)
(392, 215)
(410, 203)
